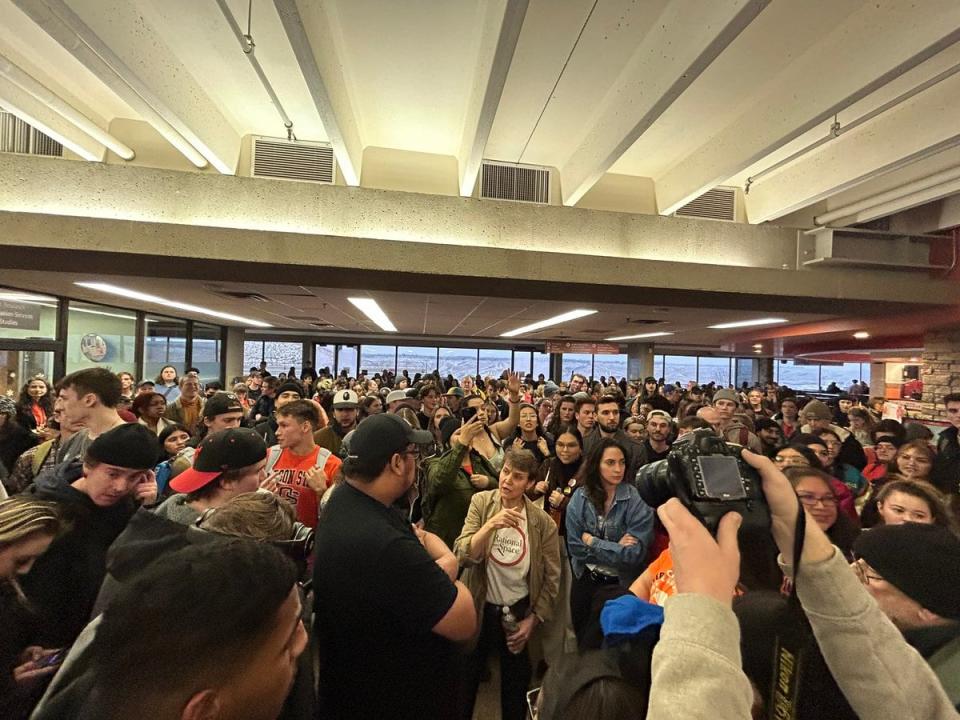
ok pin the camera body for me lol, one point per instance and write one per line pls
(709, 476)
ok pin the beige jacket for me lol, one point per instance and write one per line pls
(544, 577)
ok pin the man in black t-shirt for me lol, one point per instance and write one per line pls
(388, 606)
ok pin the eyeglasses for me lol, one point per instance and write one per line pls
(862, 570)
(811, 500)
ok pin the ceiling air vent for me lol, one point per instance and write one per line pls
(717, 204)
(519, 183)
(292, 160)
(16, 136)
(234, 295)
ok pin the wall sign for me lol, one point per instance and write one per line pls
(19, 316)
(93, 347)
(582, 347)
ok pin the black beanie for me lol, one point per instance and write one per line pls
(131, 446)
(922, 561)
(290, 386)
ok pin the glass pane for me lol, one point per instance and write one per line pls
(715, 370)
(843, 375)
(521, 362)
(165, 343)
(323, 358)
(377, 358)
(680, 368)
(101, 336)
(582, 364)
(281, 355)
(458, 362)
(415, 360)
(252, 354)
(347, 360)
(657, 367)
(541, 365)
(744, 372)
(206, 352)
(607, 365)
(493, 363)
(18, 366)
(26, 315)
(798, 377)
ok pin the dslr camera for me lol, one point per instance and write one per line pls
(709, 476)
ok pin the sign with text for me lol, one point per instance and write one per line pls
(19, 316)
(586, 348)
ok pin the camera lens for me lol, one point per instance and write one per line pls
(654, 483)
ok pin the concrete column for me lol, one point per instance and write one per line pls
(878, 379)
(762, 371)
(234, 365)
(556, 368)
(639, 360)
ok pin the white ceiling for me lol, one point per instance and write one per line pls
(652, 89)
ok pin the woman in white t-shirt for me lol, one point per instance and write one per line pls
(511, 552)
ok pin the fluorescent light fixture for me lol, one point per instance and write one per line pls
(101, 312)
(13, 296)
(747, 323)
(639, 337)
(862, 335)
(187, 307)
(369, 307)
(565, 317)
(758, 346)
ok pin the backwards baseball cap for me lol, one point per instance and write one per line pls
(144, 383)
(455, 392)
(344, 399)
(131, 446)
(378, 437)
(220, 403)
(916, 558)
(649, 379)
(817, 410)
(222, 451)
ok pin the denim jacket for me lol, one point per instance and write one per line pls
(628, 514)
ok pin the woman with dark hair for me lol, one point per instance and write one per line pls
(35, 405)
(529, 434)
(436, 420)
(609, 529)
(149, 409)
(815, 490)
(901, 500)
(14, 438)
(167, 383)
(369, 405)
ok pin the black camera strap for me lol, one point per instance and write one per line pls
(790, 649)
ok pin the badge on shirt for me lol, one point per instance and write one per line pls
(509, 547)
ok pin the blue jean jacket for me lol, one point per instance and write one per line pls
(628, 514)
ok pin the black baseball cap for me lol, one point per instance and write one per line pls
(220, 403)
(379, 436)
(230, 449)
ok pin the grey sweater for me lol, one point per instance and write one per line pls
(175, 508)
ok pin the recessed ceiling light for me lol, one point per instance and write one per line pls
(758, 351)
(862, 335)
(639, 337)
(370, 308)
(747, 323)
(144, 297)
(758, 346)
(565, 317)
(914, 359)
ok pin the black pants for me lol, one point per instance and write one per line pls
(582, 591)
(515, 670)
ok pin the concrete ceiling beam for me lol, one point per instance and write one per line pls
(309, 30)
(851, 61)
(502, 22)
(891, 140)
(130, 57)
(668, 59)
(28, 108)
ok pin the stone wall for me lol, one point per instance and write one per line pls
(940, 373)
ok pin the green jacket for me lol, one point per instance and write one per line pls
(447, 491)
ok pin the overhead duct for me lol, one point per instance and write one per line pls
(875, 249)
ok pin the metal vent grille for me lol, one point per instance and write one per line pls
(16, 136)
(717, 204)
(515, 182)
(292, 160)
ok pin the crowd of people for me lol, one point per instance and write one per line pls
(305, 545)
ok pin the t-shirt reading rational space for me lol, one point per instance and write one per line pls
(508, 563)
(378, 596)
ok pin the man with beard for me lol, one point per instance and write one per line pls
(608, 426)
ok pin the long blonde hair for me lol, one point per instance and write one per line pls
(22, 517)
